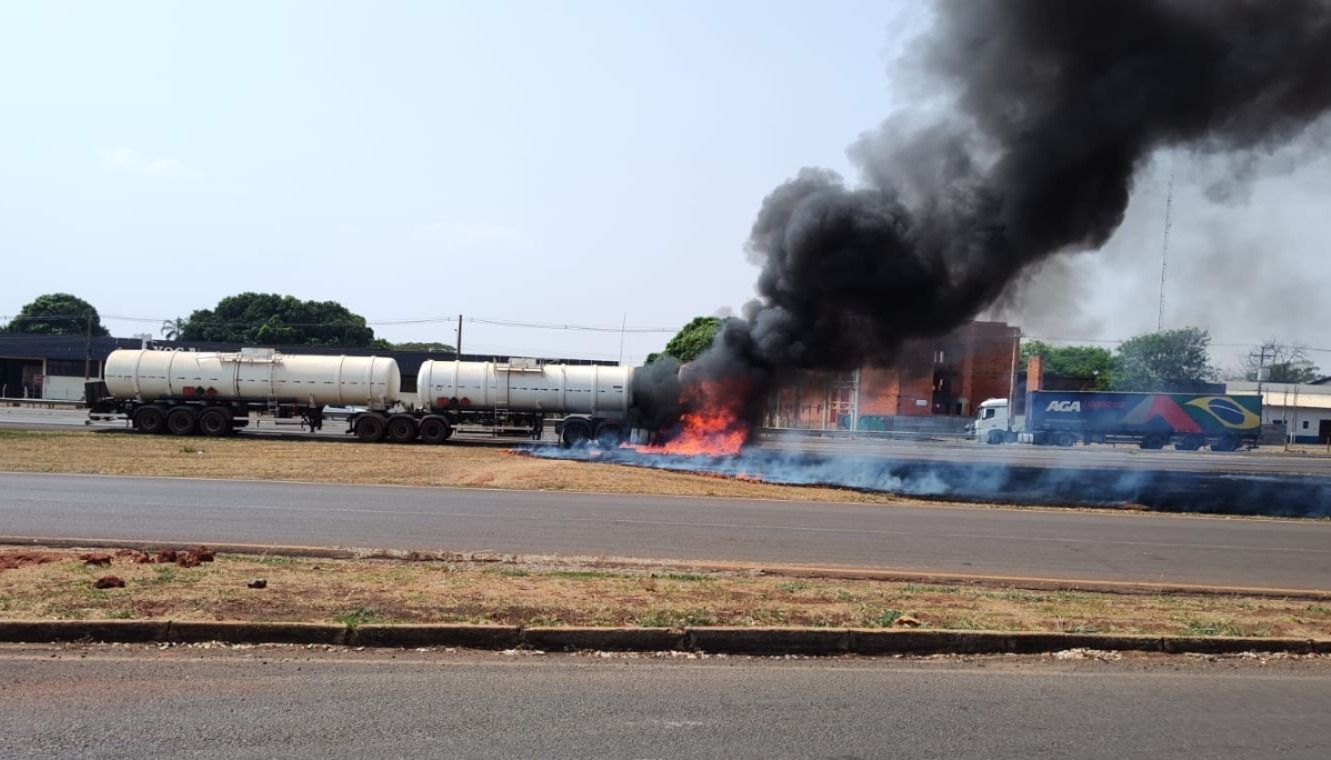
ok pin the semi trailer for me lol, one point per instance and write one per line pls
(218, 393)
(1151, 420)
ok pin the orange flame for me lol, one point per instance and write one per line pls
(712, 424)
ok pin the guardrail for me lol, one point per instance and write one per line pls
(43, 403)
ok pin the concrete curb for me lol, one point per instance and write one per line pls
(553, 639)
(412, 636)
(718, 640)
(629, 563)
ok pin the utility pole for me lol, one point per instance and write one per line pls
(1261, 370)
(459, 346)
(623, 326)
(1012, 381)
(87, 348)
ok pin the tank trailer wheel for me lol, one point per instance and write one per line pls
(1225, 443)
(401, 428)
(371, 428)
(576, 433)
(182, 421)
(149, 419)
(435, 429)
(215, 421)
(609, 435)
(1065, 439)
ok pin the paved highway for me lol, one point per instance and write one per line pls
(134, 703)
(1270, 461)
(1036, 543)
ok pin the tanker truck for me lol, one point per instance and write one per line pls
(1151, 420)
(218, 393)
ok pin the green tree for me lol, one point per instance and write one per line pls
(1275, 362)
(1170, 360)
(421, 346)
(172, 329)
(691, 340)
(57, 314)
(277, 320)
(1093, 365)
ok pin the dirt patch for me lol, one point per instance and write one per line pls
(12, 560)
(356, 592)
(327, 461)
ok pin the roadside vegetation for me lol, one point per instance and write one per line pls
(327, 461)
(50, 584)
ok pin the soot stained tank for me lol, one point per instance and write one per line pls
(524, 386)
(254, 375)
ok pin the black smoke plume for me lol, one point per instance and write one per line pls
(1053, 108)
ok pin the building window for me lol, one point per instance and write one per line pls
(1305, 424)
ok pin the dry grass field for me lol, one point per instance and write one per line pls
(57, 584)
(327, 461)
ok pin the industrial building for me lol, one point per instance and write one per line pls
(932, 384)
(1302, 411)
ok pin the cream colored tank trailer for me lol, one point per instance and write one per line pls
(215, 393)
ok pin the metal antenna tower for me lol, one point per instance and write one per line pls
(1164, 252)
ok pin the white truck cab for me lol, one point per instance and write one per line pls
(993, 423)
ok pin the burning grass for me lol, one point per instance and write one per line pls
(114, 453)
(712, 424)
(355, 592)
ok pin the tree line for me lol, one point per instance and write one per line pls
(250, 318)
(1168, 360)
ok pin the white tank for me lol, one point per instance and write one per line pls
(254, 375)
(523, 386)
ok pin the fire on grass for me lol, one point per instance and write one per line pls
(712, 423)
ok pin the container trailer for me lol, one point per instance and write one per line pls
(1151, 420)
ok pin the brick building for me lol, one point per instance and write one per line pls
(937, 377)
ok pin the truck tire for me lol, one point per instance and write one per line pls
(149, 419)
(576, 433)
(215, 421)
(609, 435)
(1225, 443)
(401, 428)
(1154, 441)
(182, 420)
(1189, 443)
(994, 437)
(371, 428)
(435, 429)
(1065, 439)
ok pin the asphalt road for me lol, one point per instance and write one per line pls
(1270, 461)
(1015, 542)
(262, 704)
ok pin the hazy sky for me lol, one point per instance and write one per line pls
(565, 163)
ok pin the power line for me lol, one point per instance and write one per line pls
(374, 322)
